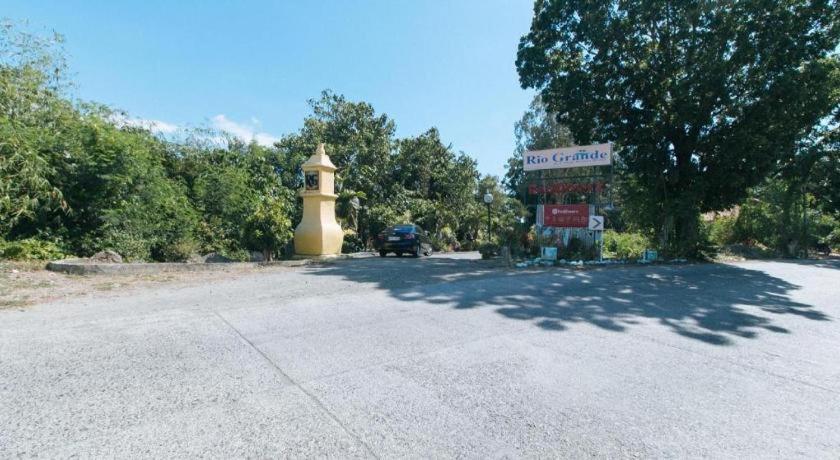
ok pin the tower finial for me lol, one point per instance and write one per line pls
(320, 150)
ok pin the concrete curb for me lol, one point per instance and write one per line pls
(86, 267)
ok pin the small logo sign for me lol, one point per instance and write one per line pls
(596, 222)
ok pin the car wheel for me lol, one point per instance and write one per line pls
(382, 253)
(418, 251)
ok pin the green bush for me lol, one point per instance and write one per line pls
(723, 230)
(573, 251)
(832, 240)
(488, 250)
(30, 249)
(444, 240)
(382, 216)
(352, 242)
(269, 227)
(625, 245)
(820, 229)
(176, 251)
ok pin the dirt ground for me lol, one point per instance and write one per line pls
(28, 283)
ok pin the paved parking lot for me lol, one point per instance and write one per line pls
(437, 357)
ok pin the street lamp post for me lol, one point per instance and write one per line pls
(488, 200)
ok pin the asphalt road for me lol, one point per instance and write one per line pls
(438, 357)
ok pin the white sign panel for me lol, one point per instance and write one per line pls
(568, 157)
(549, 253)
(596, 222)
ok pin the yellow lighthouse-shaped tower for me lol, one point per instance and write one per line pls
(318, 233)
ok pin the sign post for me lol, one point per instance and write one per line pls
(565, 175)
(596, 224)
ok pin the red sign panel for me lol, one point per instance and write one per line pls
(566, 215)
(566, 187)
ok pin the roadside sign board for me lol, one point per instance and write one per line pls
(565, 215)
(596, 222)
(568, 157)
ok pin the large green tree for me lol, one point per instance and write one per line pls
(704, 97)
(358, 140)
(433, 184)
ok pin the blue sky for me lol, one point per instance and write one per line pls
(250, 66)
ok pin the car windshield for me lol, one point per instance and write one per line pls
(400, 229)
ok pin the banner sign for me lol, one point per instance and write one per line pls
(566, 187)
(565, 215)
(568, 157)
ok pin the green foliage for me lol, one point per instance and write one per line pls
(577, 250)
(776, 219)
(779, 216)
(122, 197)
(223, 195)
(269, 227)
(31, 75)
(704, 98)
(445, 240)
(352, 243)
(832, 240)
(722, 230)
(488, 250)
(30, 249)
(382, 216)
(177, 251)
(625, 246)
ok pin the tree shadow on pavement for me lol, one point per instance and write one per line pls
(711, 303)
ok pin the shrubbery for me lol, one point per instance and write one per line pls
(722, 230)
(352, 242)
(832, 240)
(30, 249)
(774, 221)
(488, 250)
(627, 245)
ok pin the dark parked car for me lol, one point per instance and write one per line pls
(404, 239)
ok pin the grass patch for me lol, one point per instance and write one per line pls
(13, 303)
(6, 266)
(107, 286)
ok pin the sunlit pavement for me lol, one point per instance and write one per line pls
(435, 357)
